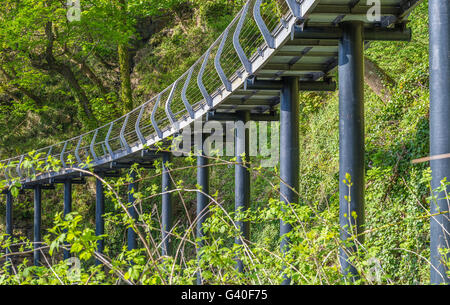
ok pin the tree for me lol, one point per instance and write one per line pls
(123, 51)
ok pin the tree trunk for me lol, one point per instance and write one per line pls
(65, 71)
(23, 90)
(11, 94)
(124, 64)
(84, 67)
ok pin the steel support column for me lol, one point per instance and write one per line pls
(99, 211)
(242, 178)
(166, 209)
(37, 224)
(351, 139)
(9, 222)
(439, 12)
(67, 207)
(289, 153)
(202, 199)
(132, 188)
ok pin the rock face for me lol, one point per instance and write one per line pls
(145, 28)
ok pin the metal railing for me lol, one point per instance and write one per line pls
(219, 71)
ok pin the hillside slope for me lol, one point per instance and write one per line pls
(397, 229)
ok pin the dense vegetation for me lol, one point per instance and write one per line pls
(60, 78)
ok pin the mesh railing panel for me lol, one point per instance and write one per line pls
(210, 75)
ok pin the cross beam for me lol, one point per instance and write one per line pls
(222, 116)
(115, 164)
(258, 84)
(41, 186)
(399, 33)
(63, 181)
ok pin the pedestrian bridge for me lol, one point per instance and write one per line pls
(267, 40)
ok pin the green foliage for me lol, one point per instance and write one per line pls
(395, 233)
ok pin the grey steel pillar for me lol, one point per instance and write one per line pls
(289, 153)
(439, 11)
(9, 222)
(202, 200)
(99, 211)
(132, 188)
(37, 224)
(166, 209)
(67, 207)
(242, 179)
(351, 138)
